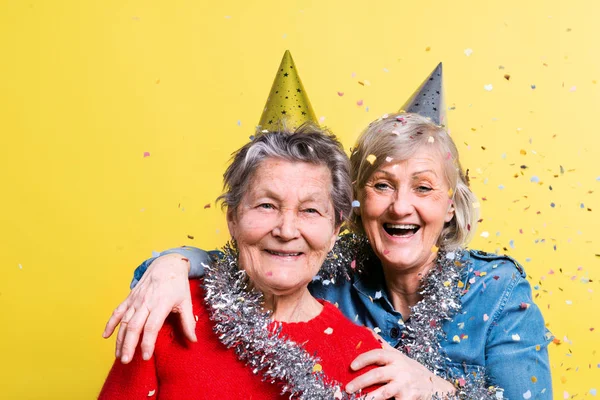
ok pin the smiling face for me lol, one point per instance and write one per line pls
(404, 206)
(284, 225)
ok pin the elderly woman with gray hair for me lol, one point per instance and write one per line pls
(286, 197)
(442, 310)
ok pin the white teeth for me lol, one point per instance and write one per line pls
(284, 254)
(403, 226)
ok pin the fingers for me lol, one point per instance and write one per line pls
(115, 318)
(123, 330)
(132, 335)
(389, 391)
(375, 376)
(188, 321)
(377, 357)
(155, 321)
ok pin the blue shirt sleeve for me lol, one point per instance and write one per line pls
(517, 346)
(198, 260)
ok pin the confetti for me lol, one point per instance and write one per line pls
(317, 368)
(151, 393)
(356, 204)
(359, 103)
(468, 52)
(371, 158)
(533, 87)
(507, 77)
(20, 266)
(340, 94)
(146, 154)
(456, 339)
(485, 234)
(190, 237)
(207, 205)
(328, 331)
(485, 317)
(527, 395)
(516, 337)
(388, 159)
(430, 139)
(488, 87)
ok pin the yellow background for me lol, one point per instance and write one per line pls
(87, 87)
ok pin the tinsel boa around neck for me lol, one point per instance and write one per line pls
(241, 324)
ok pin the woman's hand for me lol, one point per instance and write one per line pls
(163, 289)
(401, 377)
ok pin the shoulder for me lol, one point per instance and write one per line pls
(493, 282)
(482, 261)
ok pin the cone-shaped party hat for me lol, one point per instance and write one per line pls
(287, 103)
(428, 99)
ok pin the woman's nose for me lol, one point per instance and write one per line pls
(287, 226)
(402, 205)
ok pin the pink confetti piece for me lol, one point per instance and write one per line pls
(340, 94)
(146, 154)
(359, 103)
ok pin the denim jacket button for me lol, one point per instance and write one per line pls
(394, 333)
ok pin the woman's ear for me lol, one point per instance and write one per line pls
(336, 233)
(450, 212)
(232, 223)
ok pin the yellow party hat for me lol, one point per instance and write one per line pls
(288, 104)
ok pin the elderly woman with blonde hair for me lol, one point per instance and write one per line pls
(442, 310)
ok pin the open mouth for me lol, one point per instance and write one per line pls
(283, 254)
(401, 230)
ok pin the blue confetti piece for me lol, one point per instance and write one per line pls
(528, 260)
(503, 156)
(533, 87)
(598, 179)
(512, 244)
(593, 392)
(581, 205)
(501, 187)
(251, 137)
(554, 247)
(367, 109)
(239, 123)
(552, 205)
(356, 204)
(535, 179)
(536, 287)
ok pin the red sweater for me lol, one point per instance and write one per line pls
(181, 369)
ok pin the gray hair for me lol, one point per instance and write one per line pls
(309, 144)
(399, 136)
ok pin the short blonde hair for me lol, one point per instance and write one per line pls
(399, 136)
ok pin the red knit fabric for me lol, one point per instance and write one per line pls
(180, 369)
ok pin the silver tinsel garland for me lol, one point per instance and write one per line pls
(241, 324)
(423, 333)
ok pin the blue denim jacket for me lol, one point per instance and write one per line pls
(499, 328)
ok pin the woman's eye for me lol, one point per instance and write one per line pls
(266, 206)
(311, 210)
(382, 186)
(423, 189)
